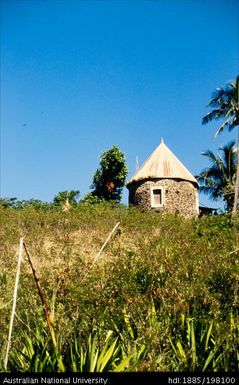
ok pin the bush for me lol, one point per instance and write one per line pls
(156, 275)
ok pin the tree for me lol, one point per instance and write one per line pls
(18, 205)
(218, 180)
(66, 197)
(110, 177)
(224, 105)
(35, 203)
(8, 202)
(90, 199)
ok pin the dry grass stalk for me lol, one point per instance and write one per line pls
(101, 249)
(14, 301)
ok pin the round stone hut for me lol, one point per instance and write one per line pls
(164, 184)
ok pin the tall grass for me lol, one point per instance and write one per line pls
(166, 288)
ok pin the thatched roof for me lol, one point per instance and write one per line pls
(162, 163)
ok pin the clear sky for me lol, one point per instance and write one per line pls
(80, 76)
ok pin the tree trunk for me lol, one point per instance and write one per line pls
(237, 179)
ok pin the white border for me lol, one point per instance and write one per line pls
(152, 196)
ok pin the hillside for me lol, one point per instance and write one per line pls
(165, 287)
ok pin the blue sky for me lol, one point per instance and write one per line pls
(80, 76)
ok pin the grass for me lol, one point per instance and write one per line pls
(163, 295)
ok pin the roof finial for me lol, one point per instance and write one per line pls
(162, 140)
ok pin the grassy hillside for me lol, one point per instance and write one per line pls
(162, 296)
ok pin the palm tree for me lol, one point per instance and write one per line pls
(218, 180)
(224, 105)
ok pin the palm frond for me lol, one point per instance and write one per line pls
(219, 178)
(210, 155)
(224, 105)
(215, 114)
(221, 128)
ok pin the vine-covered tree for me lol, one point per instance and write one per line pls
(218, 180)
(109, 178)
(225, 106)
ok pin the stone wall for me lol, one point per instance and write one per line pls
(179, 196)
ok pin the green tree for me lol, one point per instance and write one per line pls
(36, 203)
(90, 199)
(66, 197)
(218, 180)
(16, 204)
(224, 105)
(8, 202)
(110, 176)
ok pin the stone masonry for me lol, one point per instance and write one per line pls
(179, 196)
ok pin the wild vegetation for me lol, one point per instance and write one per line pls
(224, 106)
(219, 179)
(162, 296)
(109, 178)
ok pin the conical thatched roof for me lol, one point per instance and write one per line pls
(162, 163)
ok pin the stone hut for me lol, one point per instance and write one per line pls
(164, 184)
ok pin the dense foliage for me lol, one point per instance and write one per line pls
(163, 295)
(110, 176)
(63, 197)
(219, 179)
(224, 106)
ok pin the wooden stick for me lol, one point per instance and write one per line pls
(101, 249)
(14, 301)
(45, 307)
(107, 240)
(41, 295)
